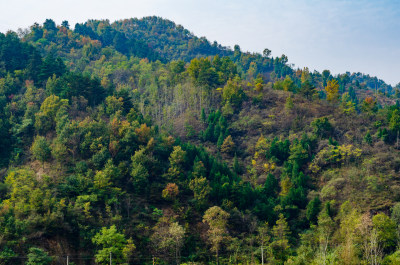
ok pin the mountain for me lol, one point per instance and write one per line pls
(139, 139)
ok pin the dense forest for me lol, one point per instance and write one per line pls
(136, 142)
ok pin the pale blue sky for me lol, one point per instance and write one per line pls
(339, 35)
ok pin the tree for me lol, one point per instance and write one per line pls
(395, 213)
(394, 125)
(176, 159)
(312, 210)
(177, 233)
(263, 237)
(387, 231)
(280, 244)
(201, 189)
(139, 172)
(170, 192)
(202, 72)
(217, 220)
(326, 74)
(266, 53)
(65, 24)
(45, 118)
(369, 105)
(168, 237)
(347, 105)
(38, 256)
(232, 92)
(332, 90)
(288, 84)
(325, 230)
(368, 138)
(228, 145)
(305, 76)
(110, 241)
(322, 127)
(307, 90)
(41, 149)
(289, 104)
(113, 104)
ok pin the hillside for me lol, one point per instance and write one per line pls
(139, 139)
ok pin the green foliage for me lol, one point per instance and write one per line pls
(113, 104)
(202, 73)
(110, 241)
(233, 93)
(140, 117)
(368, 138)
(216, 219)
(38, 256)
(322, 127)
(280, 244)
(308, 90)
(201, 189)
(41, 149)
(347, 104)
(313, 209)
(386, 229)
(289, 104)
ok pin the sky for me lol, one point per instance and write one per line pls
(339, 35)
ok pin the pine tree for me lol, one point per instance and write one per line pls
(220, 140)
(368, 138)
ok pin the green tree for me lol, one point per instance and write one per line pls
(280, 244)
(139, 172)
(347, 105)
(113, 104)
(45, 118)
(41, 149)
(288, 84)
(263, 238)
(308, 90)
(202, 72)
(110, 241)
(177, 160)
(312, 210)
(201, 189)
(289, 104)
(394, 125)
(168, 238)
(232, 92)
(37, 256)
(217, 220)
(387, 231)
(322, 127)
(325, 230)
(368, 138)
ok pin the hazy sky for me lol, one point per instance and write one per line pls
(339, 35)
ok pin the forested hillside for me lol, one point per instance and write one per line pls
(139, 141)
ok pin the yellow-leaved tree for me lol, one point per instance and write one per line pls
(332, 90)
